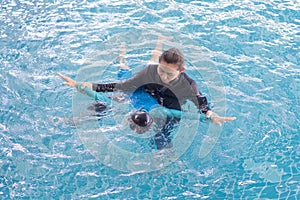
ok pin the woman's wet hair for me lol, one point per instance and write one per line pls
(172, 56)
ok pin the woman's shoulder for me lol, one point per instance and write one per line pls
(187, 77)
(152, 66)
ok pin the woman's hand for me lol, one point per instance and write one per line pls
(85, 84)
(70, 82)
(216, 119)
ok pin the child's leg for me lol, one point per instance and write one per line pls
(124, 70)
(121, 57)
(94, 112)
(157, 51)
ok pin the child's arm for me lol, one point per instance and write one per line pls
(85, 89)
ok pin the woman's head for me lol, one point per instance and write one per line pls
(140, 121)
(171, 64)
(172, 56)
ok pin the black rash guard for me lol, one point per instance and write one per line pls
(172, 95)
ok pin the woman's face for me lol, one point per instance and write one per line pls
(167, 72)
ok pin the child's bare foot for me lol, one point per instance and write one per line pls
(122, 55)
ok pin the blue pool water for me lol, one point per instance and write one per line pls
(244, 56)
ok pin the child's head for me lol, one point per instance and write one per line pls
(140, 121)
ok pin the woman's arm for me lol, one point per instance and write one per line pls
(128, 85)
(85, 88)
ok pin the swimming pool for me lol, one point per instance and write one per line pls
(244, 56)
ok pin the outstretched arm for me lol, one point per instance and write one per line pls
(72, 83)
(216, 119)
(164, 111)
(209, 115)
(85, 88)
(204, 107)
(69, 82)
